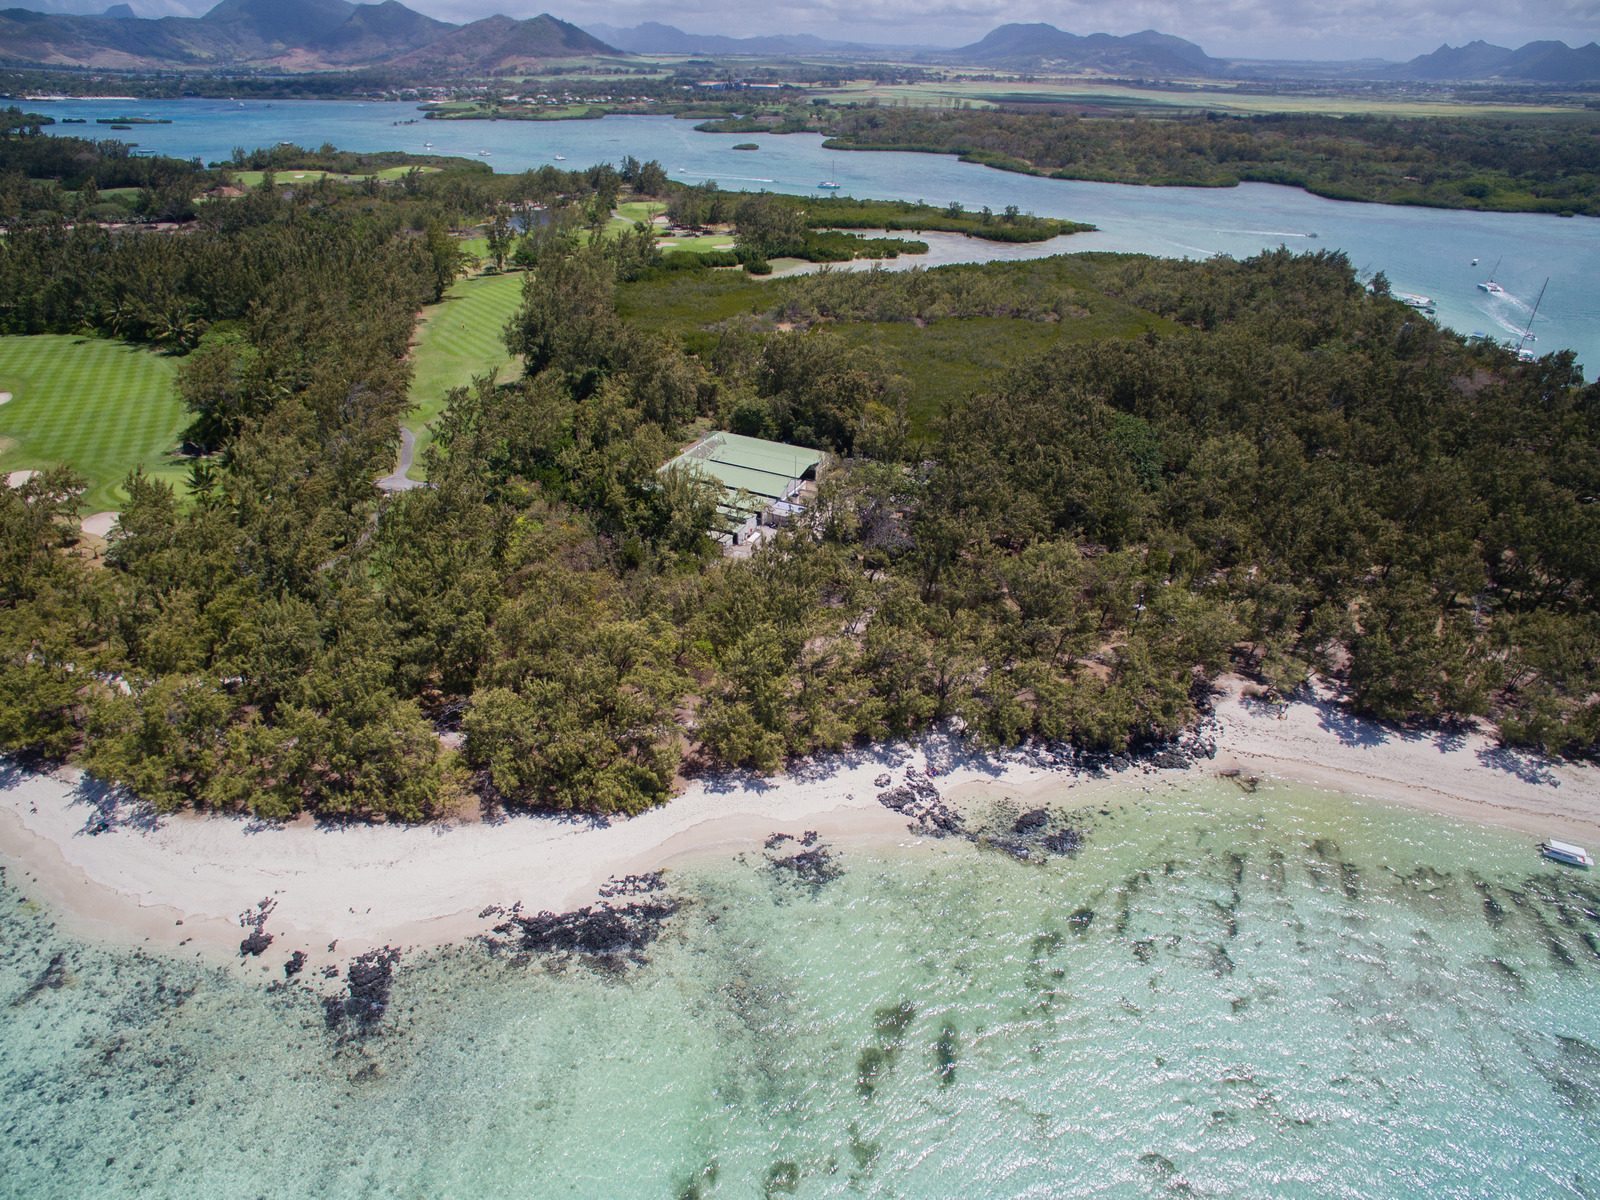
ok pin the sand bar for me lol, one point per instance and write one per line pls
(114, 872)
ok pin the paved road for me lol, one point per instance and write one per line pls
(397, 481)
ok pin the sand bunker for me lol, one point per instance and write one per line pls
(99, 524)
(5, 397)
(17, 478)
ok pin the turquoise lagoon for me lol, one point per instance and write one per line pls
(1279, 994)
(1425, 251)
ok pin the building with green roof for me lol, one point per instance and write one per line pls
(761, 480)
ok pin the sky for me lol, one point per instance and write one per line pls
(1305, 29)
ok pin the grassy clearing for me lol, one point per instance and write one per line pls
(940, 361)
(249, 179)
(988, 93)
(710, 241)
(103, 407)
(640, 210)
(459, 338)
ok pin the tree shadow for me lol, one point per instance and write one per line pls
(11, 775)
(111, 807)
(1350, 729)
(1529, 768)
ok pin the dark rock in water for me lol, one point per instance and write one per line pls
(368, 980)
(53, 978)
(898, 799)
(919, 800)
(1063, 841)
(296, 964)
(783, 1179)
(1350, 880)
(634, 885)
(945, 1052)
(1081, 919)
(872, 1062)
(253, 945)
(705, 1177)
(1171, 759)
(891, 1021)
(814, 868)
(1020, 851)
(255, 920)
(1509, 973)
(1036, 818)
(1492, 911)
(601, 931)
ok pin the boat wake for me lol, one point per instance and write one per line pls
(1283, 233)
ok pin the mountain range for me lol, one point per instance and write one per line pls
(292, 35)
(1538, 62)
(314, 35)
(1040, 46)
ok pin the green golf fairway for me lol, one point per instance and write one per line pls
(458, 339)
(101, 406)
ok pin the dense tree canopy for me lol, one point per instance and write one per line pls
(1284, 471)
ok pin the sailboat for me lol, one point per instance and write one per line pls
(1489, 285)
(1523, 353)
(830, 185)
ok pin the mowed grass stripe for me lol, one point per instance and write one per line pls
(101, 406)
(459, 339)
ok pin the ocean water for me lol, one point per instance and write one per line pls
(1278, 994)
(1430, 252)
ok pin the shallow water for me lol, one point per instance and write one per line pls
(1284, 993)
(1425, 251)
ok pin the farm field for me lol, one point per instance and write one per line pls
(459, 338)
(103, 407)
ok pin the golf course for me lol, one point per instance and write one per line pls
(458, 339)
(101, 406)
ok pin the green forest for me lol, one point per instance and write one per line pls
(1157, 471)
(1501, 164)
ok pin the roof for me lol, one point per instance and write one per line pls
(770, 470)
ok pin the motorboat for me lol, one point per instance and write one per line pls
(1566, 852)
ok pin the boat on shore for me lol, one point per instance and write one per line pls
(1566, 852)
(1420, 303)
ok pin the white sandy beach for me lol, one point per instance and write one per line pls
(182, 882)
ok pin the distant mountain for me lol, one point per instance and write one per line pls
(289, 35)
(1039, 45)
(374, 32)
(278, 22)
(501, 43)
(652, 37)
(1536, 62)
